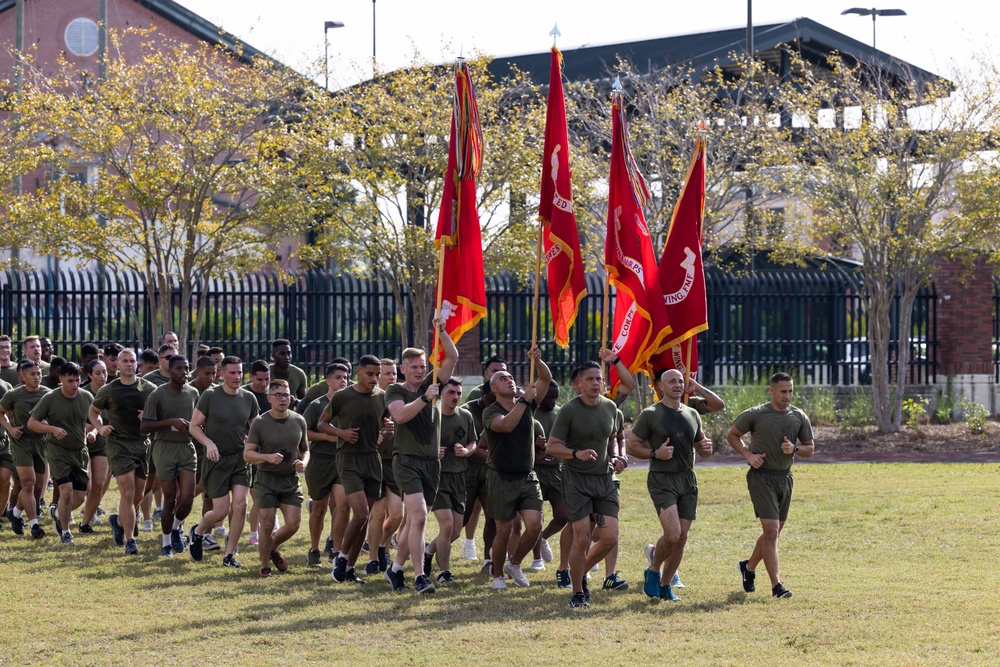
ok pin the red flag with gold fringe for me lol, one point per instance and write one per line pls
(561, 243)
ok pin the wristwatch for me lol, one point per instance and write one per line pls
(521, 400)
(424, 398)
(795, 450)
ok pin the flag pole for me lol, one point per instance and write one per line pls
(604, 318)
(687, 367)
(534, 302)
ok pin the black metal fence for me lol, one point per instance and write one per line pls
(805, 321)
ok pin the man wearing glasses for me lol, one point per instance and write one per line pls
(277, 444)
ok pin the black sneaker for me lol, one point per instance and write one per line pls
(352, 577)
(396, 579)
(117, 532)
(586, 588)
(279, 561)
(328, 549)
(195, 546)
(265, 572)
(131, 549)
(230, 561)
(176, 541)
(748, 577)
(364, 547)
(37, 531)
(780, 591)
(314, 558)
(372, 567)
(86, 529)
(423, 585)
(67, 539)
(55, 518)
(167, 550)
(138, 522)
(428, 559)
(17, 524)
(339, 573)
(578, 600)
(445, 577)
(562, 579)
(615, 583)
(487, 567)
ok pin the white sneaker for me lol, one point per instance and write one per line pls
(147, 526)
(208, 543)
(514, 572)
(546, 550)
(499, 584)
(468, 551)
(676, 581)
(537, 565)
(220, 531)
(649, 551)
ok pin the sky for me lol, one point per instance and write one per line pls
(936, 36)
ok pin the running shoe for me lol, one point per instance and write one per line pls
(537, 565)
(586, 588)
(371, 568)
(667, 593)
(86, 529)
(615, 583)
(67, 540)
(487, 566)
(314, 558)
(649, 551)
(546, 550)
(780, 591)
(328, 549)
(131, 548)
(230, 561)
(445, 577)
(17, 524)
(515, 573)
(176, 541)
(117, 532)
(37, 532)
(563, 580)
(468, 551)
(396, 579)
(498, 584)
(196, 545)
(651, 583)
(279, 562)
(157, 514)
(167, 550)
(147, 526)
(748, 577)
(265, 572)
(209, 543)
(254, 541)
(578, 600)
(220, 531)
(422, 585)
(428, 558)
(339, 573)
(675, 581)
(352, 577)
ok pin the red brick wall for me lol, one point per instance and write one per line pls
(965, 319)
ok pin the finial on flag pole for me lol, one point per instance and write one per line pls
(617, 85)
(555, 33)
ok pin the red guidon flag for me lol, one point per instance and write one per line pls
(629, 258)
(561, 244)
(463, 285)
(682, 274)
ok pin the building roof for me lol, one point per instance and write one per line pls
(706, 50)
(184, 18)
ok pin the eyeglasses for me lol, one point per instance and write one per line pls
(281, 396)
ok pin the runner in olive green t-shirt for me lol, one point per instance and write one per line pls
(387, 512)
(667, 434)
(27, 447)
(774, 429)
(283, 369)
(220, 424)
(550, 480)
(458, 442)
(64, 413)
(415, 451)
(361, 415)
(512, 486)
(278, 445)
(583, 436)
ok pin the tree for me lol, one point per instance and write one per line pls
(203, 164)
(893, 165)
(747, 151)
(392, 136)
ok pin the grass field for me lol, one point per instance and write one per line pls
(889, 564)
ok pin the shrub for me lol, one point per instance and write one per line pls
(857, 416)
(976, 415)
(913, 410)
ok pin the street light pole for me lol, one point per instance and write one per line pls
(327, 25)
(373, 38)
(874, 13)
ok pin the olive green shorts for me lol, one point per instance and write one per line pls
(170, 457)
(68, 466)
(28, 454)
(219, 477)
(389, 479)
(321, 475)
(415, 474)
(6, 459)
(276, 490)
(451, 493)
(589, 494)
(507, 494)
(550, 479)
(360, 473)
(199, 461)
(475, 480)
(674, 488)
(124, 457)
(770, 492)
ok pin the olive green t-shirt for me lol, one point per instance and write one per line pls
(312, 415)
(263, 405)
(294, 376)
(201, 392)
(683, 426)
(512, 452)
(767, 427)
(122, 403)
(583, 426)
(546, 420)
(355, 409)
(419, 436)
(156, 377)
(227, 418)
(19, 402)
(9, 375)
(474, 394)
(273, 435)
(69, 414)
(457, 429)
(314, 393)
(165, 403)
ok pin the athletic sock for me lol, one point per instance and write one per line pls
(396, 567)
(66, 532)
(427, 548)
(381, 553)
(16, 512)
(178, 523)
(253, 534)
(166, 539)
(33, 522)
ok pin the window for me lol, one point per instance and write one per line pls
(81, 37)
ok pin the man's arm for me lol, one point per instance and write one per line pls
(712, 400)
(197, 430)
(734, 437)
(447, 366)
(805, 449)
(626, 383)
(252, 455)
(94, 417)
(557, 449)
(544, 373)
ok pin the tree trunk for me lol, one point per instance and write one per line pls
(878, 298)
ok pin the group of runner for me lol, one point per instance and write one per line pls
(379, 455)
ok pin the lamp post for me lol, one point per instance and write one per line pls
(373, 38)
(874, 13)
(327, 25)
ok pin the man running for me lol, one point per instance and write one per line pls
(415, 463)
(63, 415)
(774, 428)
(667, 435)
(161, 375)
(550, 481)
(260, 378)
(220, 423)
(277, 444)
(8, 369)
(387, 513)
(284, 369)
(123, 399)
(27, 447)
(511, 482)
(168, 414)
